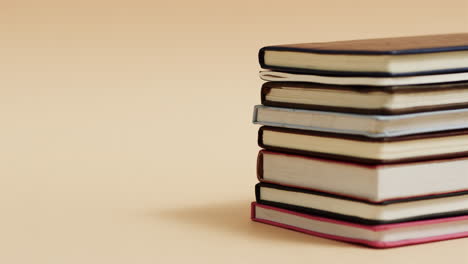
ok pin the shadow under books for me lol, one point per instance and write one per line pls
(234, 217)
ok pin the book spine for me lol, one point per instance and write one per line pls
(260, 166)
(266, 88)
(255, 114)
(261, 57)
(257, 192)
(260, 137)
(252, 210)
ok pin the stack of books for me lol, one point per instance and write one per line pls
(365, 141)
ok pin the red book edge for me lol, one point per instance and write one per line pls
(376, 244)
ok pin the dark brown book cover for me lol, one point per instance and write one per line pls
(266, 88)
(378, 46)
(389, 46)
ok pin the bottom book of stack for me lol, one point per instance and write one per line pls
(379, 235)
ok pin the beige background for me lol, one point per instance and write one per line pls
(126, 134)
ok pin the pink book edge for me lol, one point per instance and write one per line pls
(376, 244)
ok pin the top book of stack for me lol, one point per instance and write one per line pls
(385, 57)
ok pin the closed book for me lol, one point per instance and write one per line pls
(385, 100)
(378, 236)
(374, 126)
(362, 149)
(360, 211)
(375, 183)
(395, 56)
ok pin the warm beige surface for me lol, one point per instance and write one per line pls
(120, 143)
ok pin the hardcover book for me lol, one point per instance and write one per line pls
(387, 100)
(378, 236)
(419, 147)
(398, 56)
(359, 211)
(375, 126)
(375, 183)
